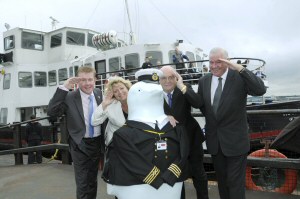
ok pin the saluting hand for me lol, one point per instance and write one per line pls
(69, 83)
(180, 84)
(231, 65)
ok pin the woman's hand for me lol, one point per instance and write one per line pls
(172, 120)
(108, 99)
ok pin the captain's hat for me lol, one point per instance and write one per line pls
(148, 75)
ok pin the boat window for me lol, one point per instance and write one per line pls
(155, 57)
(62, 75)
(88, 64)
(6, 81)
(90, 40)
(191, 57)
(71, 73)
(40, 79)
(3, 116)
(131, 62)
(75, 38)
(114, 64)
(32, 41)
(199, 64)
(25, 79)
(56, 40)
(52, 78)
(100, 67)
(9, 42)
(75, 70)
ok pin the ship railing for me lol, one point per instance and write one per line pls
(191, 73)
(19, 149)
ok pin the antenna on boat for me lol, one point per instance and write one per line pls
(131, 34)
(53, 22)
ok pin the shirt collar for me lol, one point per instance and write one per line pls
(84, 94)
(166, 94)
(224, 76)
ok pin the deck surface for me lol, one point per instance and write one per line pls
(54, 180)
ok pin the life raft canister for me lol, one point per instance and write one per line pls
(290, 181)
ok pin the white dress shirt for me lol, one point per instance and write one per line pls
(214, 85)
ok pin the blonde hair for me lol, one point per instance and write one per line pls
(115, 80)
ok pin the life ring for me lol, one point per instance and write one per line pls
(290, 181)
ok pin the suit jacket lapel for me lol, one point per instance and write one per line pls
(175, 96)
(78, 103)
(97, 96)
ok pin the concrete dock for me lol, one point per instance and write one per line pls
(54, 180)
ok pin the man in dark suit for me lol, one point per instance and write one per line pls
(180, 109)
(222, 96)
(84, 139)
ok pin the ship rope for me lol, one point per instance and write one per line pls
(54, 156)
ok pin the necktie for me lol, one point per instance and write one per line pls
(217, 96)
(91, 110)
(170, 99)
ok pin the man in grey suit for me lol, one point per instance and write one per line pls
(84, 139)
(222, 97)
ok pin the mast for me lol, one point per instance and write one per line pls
(131, 34)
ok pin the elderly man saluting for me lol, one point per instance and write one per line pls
(222, 96)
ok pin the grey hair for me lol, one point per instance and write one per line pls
(217, 50)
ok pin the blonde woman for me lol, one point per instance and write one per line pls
(113, 107)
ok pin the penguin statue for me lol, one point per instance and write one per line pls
(147, 157)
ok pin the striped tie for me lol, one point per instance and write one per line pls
(91, 110)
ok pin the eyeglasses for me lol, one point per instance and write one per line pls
(170, 78)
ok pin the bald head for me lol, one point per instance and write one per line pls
(168, 80)
(168, 69)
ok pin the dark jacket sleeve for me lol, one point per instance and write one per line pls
(56, 106)
(185, 57)
(195, 99)
(135, 162)
(177, 169)
(255, 86)
(174, 59)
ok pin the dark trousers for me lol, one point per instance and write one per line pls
(198, 173)
(231, 173)
(34, 156)
(86, 158)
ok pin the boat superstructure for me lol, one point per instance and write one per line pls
(34, 63)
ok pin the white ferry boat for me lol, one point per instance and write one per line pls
(35, 63)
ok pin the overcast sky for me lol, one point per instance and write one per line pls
(265, 29)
